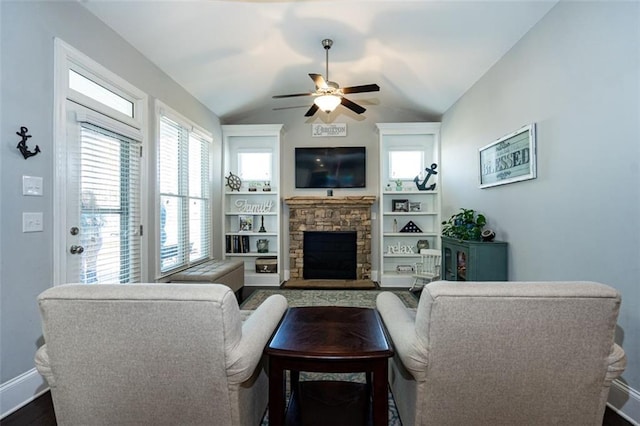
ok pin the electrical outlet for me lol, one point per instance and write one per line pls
(32, 222)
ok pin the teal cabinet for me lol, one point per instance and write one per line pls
(474, 260)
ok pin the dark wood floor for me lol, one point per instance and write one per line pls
(40, 412)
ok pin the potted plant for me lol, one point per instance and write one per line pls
(465, 225)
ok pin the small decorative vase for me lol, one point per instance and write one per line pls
(488, 235)
(263, 246)
(422, 244)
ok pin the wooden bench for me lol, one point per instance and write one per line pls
(217, 271)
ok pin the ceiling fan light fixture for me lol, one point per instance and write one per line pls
(327, 103)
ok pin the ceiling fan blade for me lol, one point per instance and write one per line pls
(361, 89)
(352, 106)
(318, 79)
(293, 95)
(312, 110)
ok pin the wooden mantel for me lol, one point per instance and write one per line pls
(365, 200)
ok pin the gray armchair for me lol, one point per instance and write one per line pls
(504, 353)
(160, 354)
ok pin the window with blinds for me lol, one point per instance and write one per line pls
(109, 167)
(185, 207)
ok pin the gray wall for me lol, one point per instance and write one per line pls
(26, 265)
(576, 75)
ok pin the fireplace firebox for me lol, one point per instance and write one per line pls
(330, 255)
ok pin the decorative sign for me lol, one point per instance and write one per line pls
(329, 130)
(244, 206)
(404, 269)
(511, 158)
(399, 249)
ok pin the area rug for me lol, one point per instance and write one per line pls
(393, 416)
(330, 284)
(357, 298)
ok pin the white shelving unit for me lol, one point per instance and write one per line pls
(262, 207)
(399, 250)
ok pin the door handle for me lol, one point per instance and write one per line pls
(76, 249)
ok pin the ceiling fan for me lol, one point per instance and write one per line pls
(328, 94)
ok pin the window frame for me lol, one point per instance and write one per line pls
(163, 110)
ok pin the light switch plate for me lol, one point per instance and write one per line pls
(32, 185)
(32, 222)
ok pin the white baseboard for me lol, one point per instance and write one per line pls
(625, 401)
(20, 391)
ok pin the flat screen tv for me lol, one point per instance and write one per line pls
(339, 167)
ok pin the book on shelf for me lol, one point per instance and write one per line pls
(237, 244)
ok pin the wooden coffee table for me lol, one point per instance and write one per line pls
(328, 339)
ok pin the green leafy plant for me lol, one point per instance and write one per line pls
(465, 225)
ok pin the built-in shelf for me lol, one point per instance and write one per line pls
(258, 139)
(423, 208)
(252, 254)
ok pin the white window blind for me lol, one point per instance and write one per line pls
(109, 206)
(185, 208)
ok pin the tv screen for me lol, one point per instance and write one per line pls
(341, 167)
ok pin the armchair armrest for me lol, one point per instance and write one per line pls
(616, 364)
(43, 365)
(256, 332)
(400, 324)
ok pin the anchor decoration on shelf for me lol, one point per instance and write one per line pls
(423, 186)
(22, 145)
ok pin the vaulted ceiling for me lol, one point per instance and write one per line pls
(235, 55)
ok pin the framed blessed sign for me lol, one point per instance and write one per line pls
(512, 158)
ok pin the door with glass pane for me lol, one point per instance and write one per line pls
(103, 234)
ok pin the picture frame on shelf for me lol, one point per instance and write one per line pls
(512, 158)
(400, 205)
(245, 223)
(415, 206)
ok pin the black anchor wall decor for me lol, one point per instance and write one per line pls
(423, 186)
(22, 145)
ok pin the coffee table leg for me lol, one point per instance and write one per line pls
(295, 381)
(380, 394)
(276, 393)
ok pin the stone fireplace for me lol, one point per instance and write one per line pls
(337, 214)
